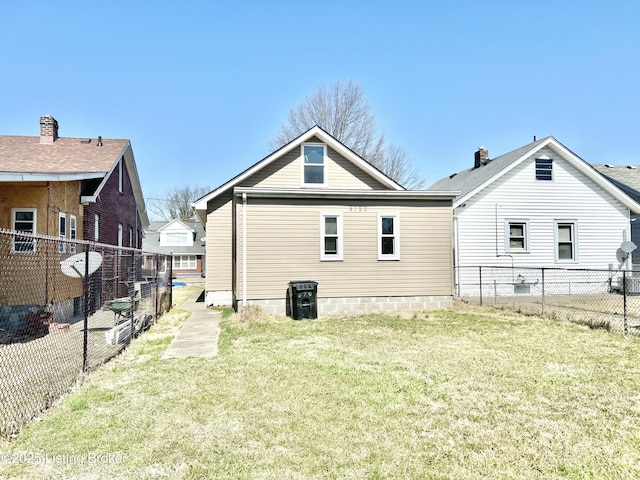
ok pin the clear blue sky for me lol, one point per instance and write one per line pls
(201, 87)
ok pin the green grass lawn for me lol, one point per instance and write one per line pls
(464, 394)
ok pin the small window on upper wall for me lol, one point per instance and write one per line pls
(313, 156)
(544, 168)
(389, 237)
(120, 174)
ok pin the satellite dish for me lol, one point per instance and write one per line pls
(75, 265)
(628, 247)
(621, 255)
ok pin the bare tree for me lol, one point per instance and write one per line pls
(343, 111)
(177, 203)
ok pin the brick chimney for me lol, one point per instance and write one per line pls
(481, 157)
(48, 129)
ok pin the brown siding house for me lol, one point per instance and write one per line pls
(314, 210)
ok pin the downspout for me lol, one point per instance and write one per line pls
(46, 262)
(456, 258)
(244, 249)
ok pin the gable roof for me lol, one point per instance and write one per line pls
(176, 222)
(324, 136)
(471, 181)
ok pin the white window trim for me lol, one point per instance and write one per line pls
(120, 174)
(507, 236)
(13, 227)
(188, 261)
(165, 238)
(96, 227)
(62, 247)
(120, 234)
(574, 241)
(323, 164)
(325, 257)
(396, 235)
(73, 233)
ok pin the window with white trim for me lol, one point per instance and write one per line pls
(96, 227)
(389, 236)
(566, 241)
(73, 231)
(131, 236)
(62, 232)
(517, 232)
(331, 236)
(313, 164)
(23, 220)
(176, 238)
(185, 262)
(120, 174)
(119, 234)
(544, 168)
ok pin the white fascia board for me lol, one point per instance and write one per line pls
(502, 172)
(168, 225)
(201, 204)
(86, 199)
(344, 194)
(47, 177)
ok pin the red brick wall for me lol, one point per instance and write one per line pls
(114, 207)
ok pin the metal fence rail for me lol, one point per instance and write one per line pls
(66, 308)
(607, 299)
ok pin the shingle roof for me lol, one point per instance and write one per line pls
(622, 176)
(24, 154)
(467, 180)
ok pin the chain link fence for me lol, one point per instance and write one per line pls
(608, 299)
(66, 308)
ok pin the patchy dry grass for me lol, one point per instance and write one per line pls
(475, 393)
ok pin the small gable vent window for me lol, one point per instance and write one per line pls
(544, 168)
(313, 165)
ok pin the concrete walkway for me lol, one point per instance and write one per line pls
(198, 337)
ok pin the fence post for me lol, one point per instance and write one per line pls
(624, 295)
(85, 286)
(170, 260)
(157, 267)
(480, 273)
(543, 291)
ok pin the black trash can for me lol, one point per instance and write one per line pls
(303, 299)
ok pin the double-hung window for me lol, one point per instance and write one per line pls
(517, 236)
(544, 168)
(389, 236)
(313, 164)
(331, 236)
(23, 220)
(62, 232)
(72, 233)
(566, 241)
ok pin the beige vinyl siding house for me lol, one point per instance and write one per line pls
(369, 244)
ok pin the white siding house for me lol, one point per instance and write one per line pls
(538, 206)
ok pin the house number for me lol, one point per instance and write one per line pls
(357, 209)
